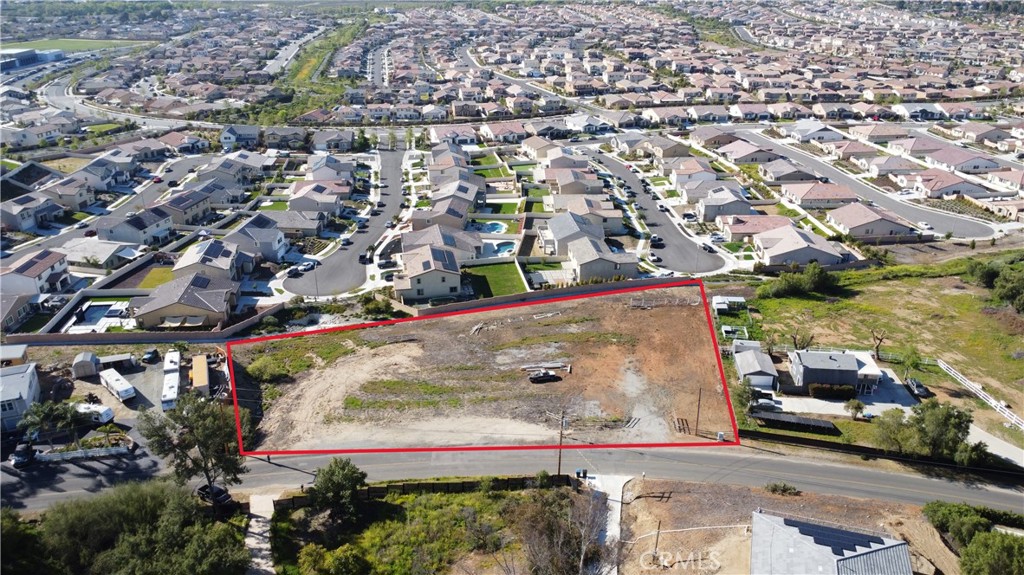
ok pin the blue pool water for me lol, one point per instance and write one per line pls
(504, 248)
(94, 313)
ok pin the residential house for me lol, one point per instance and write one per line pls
(43, 271)
(711, 137)
(757, 368)
(591, 259)
(939, 183)
(790, 245)
(429, 272)
(573, 181)
(16, 309)
(189, 301)
(856, 369)
(261, 237)
(182, 143)
(330, 168)
(597, 211)
(150, 227)
(861, 222)
(818, 195)
(326, 196)
(878, 166)
(97, 253)
(27, 211)
(19, 389)
(960, 160)
(298, 224)
(810, 130)
(743, 152)
(781, 171)
(508, 132)
(743, 228)
(332, 140)
(465, 245)
(188, 208)
(239, 136)
(878, 133)
(722, 202)
(283, 138)
(452, 211)
(919, 111)
(554, 235)
(825, 548)
(661, 147)
(72, 193)
(848, 149)
(461, 135)
(1010, 179)
(228, 171)
(681, 171)
(538, 148)
(915, 147)
(214, 258)
(693, 192)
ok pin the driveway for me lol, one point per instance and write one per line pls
(890, 394)
(341, 271)
(681, 253)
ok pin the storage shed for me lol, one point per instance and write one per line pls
(86, 364)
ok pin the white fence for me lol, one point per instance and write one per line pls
(976, 389)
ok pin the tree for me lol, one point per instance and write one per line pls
(199, 437)
(335, 489)
(993, 553)
(802, 339)
(22, 547)
(940, 428)
(892, 432)
(41, 418)
(558, 532)
(70, 420)
(744, 395)
(879, 336)
(1009, 287)
(910, 358)
(854, 407)
(771, 339)
(971, 454)
(345, 560)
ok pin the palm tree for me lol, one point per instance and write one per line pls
(70, 420)
(40, 419)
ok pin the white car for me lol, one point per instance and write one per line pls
(924, 226)
(654, 258)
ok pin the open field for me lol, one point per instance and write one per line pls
(678, 505)
(942, 317)
(458, 381)
(70, 44)
(67, 165)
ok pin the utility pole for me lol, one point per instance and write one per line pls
(696, 425)
(657, 537)
(561, 435)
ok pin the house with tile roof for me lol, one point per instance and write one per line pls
(43, 271)
(214, 258)
(428, 272)
(192, 300)
(861, 221)
(818, 195)
(790, 245)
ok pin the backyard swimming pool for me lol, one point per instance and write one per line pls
(490, 227)
(497, 249)
(93, 314)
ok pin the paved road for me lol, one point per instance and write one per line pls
(284, 57)
(38, 488)
(341, 272)
(681, 253)
(940, 221)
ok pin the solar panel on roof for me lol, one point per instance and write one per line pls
(201, 282)
(839, 540)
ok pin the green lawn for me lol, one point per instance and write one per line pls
(488, 160)
(9, 164)
(526, 168)
(423, 203)
(108, 299)
(543, 267)
(274, 207)
(70, 44)
(157, 277)
(672, 194)
(35, 323)
(504, 208)
(659, 181)
(538, 193)
(501, 172)
(495, 279)
(102, 128)
(536, 207)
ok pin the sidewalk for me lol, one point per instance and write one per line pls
(613, 486)
(996, 446)
(257, 538)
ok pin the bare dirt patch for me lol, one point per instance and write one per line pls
(937, 252)
(726, 510)
(634, 367)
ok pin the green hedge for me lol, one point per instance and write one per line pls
(823, 391)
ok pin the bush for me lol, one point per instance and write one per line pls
(993, 553)
(823, 391)
(781, 488)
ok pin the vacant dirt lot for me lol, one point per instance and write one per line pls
(634, 366)
(725, 547)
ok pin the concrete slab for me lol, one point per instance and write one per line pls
(612, 486)
(889, 394)
(257, 538)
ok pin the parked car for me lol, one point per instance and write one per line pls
(543, 376)
(214, 494)
(157, 179)
(24, 455)
(690, 216)
(654, 258)
(387, 264)
(81, 225)
(389, 224)
(708, 248)
(381, 204)
(294, 272)
(346, 241)
(151, 356)
(306, 266)
(655, 238)
(657, 244)
(924, 225)
(662, 208)
(764, 405)
(90, 233)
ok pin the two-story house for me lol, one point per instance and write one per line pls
(44, 271)
(150, 227)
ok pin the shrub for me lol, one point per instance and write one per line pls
(781, 488)
(824, 391)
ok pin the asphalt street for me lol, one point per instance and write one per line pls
(341, 271)
(941, 221)
(284, 56)
(681, 252)
(39, 487)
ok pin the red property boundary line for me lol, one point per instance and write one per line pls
(683, 283)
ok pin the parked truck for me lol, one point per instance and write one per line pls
(117, 385)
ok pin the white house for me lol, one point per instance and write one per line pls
(430, 272)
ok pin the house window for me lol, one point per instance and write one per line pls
(443, 279)
(7, 406)
(419, 292)
(419, 281)
(453, 289)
